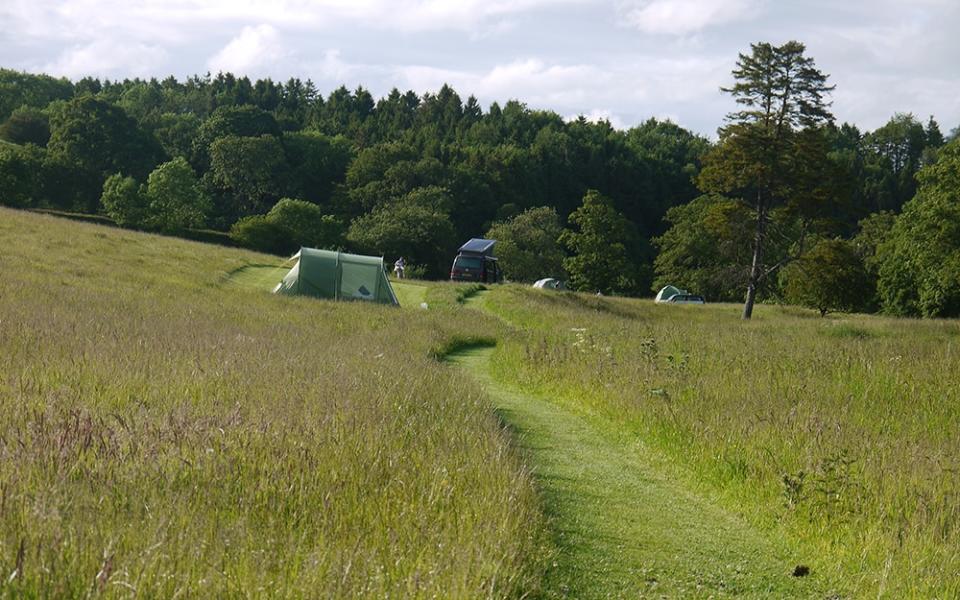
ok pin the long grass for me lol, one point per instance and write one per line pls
(169, 429)
(841, 435)
(165, 432)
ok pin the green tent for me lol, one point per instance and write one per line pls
(337, 276)
(668, 292)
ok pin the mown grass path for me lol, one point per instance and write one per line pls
(410, 295)
(622, 526)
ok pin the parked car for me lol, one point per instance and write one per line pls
(475, 262)
(674, 295)
(685, 299)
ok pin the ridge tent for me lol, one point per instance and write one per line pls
(337, 276)
(668, 292)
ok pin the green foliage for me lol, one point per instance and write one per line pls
(892, 156)
(706, 250)
(604, 247)
(919, 261)
(873, 232)
(26, 125)
(829, 277)
(351, 153)
(527, 245)
(100, 138)
(771, 153)
(143, 102)
(317, 163)
(259, 232)
(96, 139)
(176, 132)
(247, 172)
(125, 202)
(385, 172)
(237, 121)
(289, 225)
(175, 198)
(20, 176)
(420, 233)
(307, 224)
(19, 89)
(672, 158)
(64, 186)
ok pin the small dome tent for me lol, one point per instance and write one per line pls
(337, 276)
(668, 292)
(549, 283)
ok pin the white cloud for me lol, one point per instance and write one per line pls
(107, 58)
(335, 68)
(531, 80)
(624, 90)
(871, 100)
(153, 19)
(681, 17)
(599, 114)
(253, 50)
(632, 58)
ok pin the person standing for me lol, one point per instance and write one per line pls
(398, 267)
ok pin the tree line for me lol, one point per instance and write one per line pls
(786, 205)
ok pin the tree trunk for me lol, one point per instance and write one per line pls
(757, 266)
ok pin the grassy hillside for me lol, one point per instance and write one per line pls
(841, 435)
(167, 432)
(168, 428)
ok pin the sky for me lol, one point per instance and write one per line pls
(621, 60)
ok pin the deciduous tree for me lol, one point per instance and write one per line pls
(248, 171)
(830, 277)
(96, 139)
(706, 249)
(125, 202)
(605, 247)
(527, 245)
(919, 263)
(421, 234)
(175, 198)
(27, 125)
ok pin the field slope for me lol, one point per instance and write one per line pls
(166, 432)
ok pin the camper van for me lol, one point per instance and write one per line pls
(475, 262)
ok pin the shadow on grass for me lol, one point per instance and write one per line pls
(579, 301)
(458, 344)
(843, 330)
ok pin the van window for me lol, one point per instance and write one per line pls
(468, 262)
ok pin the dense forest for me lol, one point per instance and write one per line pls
(863, 220)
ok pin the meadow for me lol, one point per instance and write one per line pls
(839, 435)
(168, 432)
(168, 429)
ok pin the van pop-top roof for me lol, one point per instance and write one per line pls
(479, 246)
